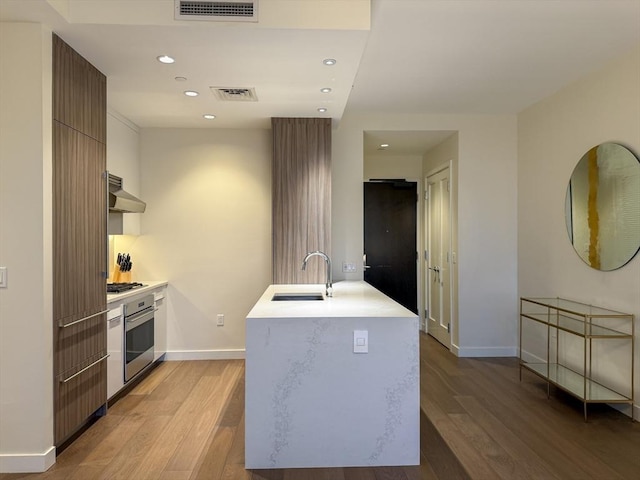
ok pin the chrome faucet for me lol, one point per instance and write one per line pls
(329, 282)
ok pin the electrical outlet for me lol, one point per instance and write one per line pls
(360, 341)
(220, 320)
(3, 277)
(348, 267)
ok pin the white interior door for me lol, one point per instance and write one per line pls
(438, 256)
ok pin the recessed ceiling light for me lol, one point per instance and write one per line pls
(191, 93)
(384, 145)
(329, 61)
(322, 109)
(209, 116)
(325, 90)
(181, 79)
(165, 59)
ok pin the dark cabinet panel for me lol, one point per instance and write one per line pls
(79, 396)
(79, 92)
(75, 345)
(79, 224)
(79, 207)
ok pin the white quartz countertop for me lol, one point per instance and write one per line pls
(146, 288)
(350, 299)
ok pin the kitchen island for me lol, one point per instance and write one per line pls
(311, 400)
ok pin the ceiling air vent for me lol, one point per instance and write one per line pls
(235, 94)
(239, 11)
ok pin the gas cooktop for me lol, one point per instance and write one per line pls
(122, 287)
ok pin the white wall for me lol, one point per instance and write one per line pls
(552, 137)
(26, 361)
(408, 167)
(207, 230)
(487, 179)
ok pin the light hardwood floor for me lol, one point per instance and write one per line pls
(186, 421)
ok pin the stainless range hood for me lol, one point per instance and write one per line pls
(121, 201)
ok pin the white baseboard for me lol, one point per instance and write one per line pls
(229, 354)
(624, 409)
(531, 358)
(27, 462)
(486, 351)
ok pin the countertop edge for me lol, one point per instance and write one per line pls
(351, 299)
(148, 287)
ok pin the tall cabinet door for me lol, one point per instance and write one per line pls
(79, 242)
(79, 226)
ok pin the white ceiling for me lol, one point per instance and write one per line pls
(420, 56)
(478, 56)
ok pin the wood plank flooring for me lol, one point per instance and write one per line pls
(501, 428)
(185, 421)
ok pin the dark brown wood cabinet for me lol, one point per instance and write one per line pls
(79, 240)
(79, 92)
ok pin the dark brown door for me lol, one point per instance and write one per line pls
(390, 223)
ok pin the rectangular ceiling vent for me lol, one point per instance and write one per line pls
(235, 94)
(239, 11)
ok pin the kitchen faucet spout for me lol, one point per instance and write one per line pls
(329, 279)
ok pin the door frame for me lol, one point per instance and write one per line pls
(453, 323)
(420, 301)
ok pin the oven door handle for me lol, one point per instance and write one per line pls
(138, 319)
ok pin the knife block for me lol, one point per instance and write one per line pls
(120, 276)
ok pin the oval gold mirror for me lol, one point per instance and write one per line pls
(602, 207)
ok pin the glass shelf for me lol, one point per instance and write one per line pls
(576, 308)
(574, 383)
(575, 325)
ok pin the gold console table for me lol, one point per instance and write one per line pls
(556, 322)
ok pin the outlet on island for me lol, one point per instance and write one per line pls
(361, 341)
(220, 321)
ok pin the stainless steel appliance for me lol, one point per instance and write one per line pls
(121, 201)
(122, 287)
(138, 337)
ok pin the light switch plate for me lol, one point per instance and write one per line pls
(3, 277)
(360, 341)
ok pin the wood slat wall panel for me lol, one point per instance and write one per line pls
(301, 197)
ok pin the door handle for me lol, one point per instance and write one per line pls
(364, 262)
(436, 270)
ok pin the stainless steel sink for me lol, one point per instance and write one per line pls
(296, 296)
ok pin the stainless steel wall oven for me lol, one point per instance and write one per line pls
(138, 337)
